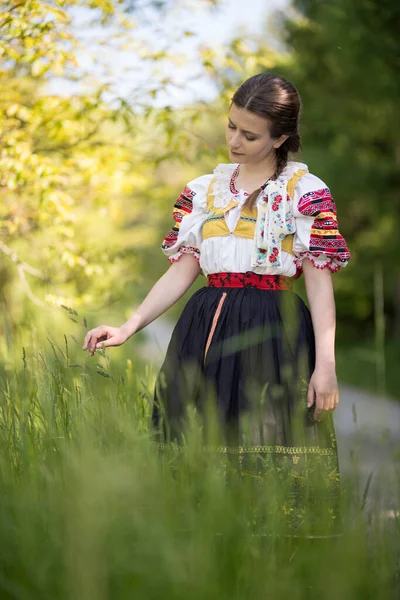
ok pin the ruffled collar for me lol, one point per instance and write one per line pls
(224, 190)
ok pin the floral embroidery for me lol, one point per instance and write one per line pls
(308, 229)
(275, 219)
(276, 203)
(273, 256)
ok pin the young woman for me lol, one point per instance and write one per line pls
(246, 340)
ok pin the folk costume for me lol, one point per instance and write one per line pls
(246, 339)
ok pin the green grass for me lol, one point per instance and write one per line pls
(90, 511)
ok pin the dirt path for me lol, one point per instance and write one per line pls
(368, 435)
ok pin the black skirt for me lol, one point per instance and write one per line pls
(242, 358)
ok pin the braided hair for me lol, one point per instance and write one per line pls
(273, 97)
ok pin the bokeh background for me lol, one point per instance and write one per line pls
(107, 109)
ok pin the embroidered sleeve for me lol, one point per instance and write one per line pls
(188, 213)
(317, 234)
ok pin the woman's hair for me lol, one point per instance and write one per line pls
(276, 99)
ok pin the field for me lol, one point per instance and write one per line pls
(90, 510)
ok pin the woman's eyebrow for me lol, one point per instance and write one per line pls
(244, 130)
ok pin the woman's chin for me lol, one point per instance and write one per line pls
(239, 158)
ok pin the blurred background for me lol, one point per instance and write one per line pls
(108, 108)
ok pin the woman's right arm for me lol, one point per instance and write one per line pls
(168, 289)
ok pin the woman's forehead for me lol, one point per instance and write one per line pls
(248, 121)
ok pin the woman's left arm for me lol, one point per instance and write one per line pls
(323, 387)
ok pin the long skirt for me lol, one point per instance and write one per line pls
(241, 358)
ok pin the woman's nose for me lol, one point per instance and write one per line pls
(234, 142)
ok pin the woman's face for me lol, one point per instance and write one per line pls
(248, 136)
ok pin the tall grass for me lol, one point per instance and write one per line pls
(90, 510)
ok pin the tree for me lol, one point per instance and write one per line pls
(346, 66)
(76, 170)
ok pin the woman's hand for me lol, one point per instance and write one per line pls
(323, 390)
(104, 335)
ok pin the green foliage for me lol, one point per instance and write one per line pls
(345, 64)
(88, 180)
(89, 509)
(80, 173)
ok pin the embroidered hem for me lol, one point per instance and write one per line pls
(329, 262)
(291, 450)
(185, 250)
(291, 490)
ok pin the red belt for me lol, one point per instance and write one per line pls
(250, 279)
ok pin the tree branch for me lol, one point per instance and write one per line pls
(21, 265)
(68, 146)
(28, 290)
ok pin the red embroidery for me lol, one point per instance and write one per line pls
(315, 202)
(332, 243)
(329, 264)
(250, 279)
(233, 180)
(188, 193)
(183, 206)
(185, 250)
(232, 184)
(276, 202)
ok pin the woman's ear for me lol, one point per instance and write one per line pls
(281, 140)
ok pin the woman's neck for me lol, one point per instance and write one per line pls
(256, 174)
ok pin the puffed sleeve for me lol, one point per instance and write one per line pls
(317, 235)
(189, 214)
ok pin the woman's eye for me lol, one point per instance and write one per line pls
(251, 139)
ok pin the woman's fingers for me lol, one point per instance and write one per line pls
(110, 341)
(323, 385)
(310, 396)
(319, 406)
(325, 402)
(93, 337)
(103, 336)
(336, 400)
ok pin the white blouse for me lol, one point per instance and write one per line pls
(311, 210)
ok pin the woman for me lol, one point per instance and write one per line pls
(246, 340)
